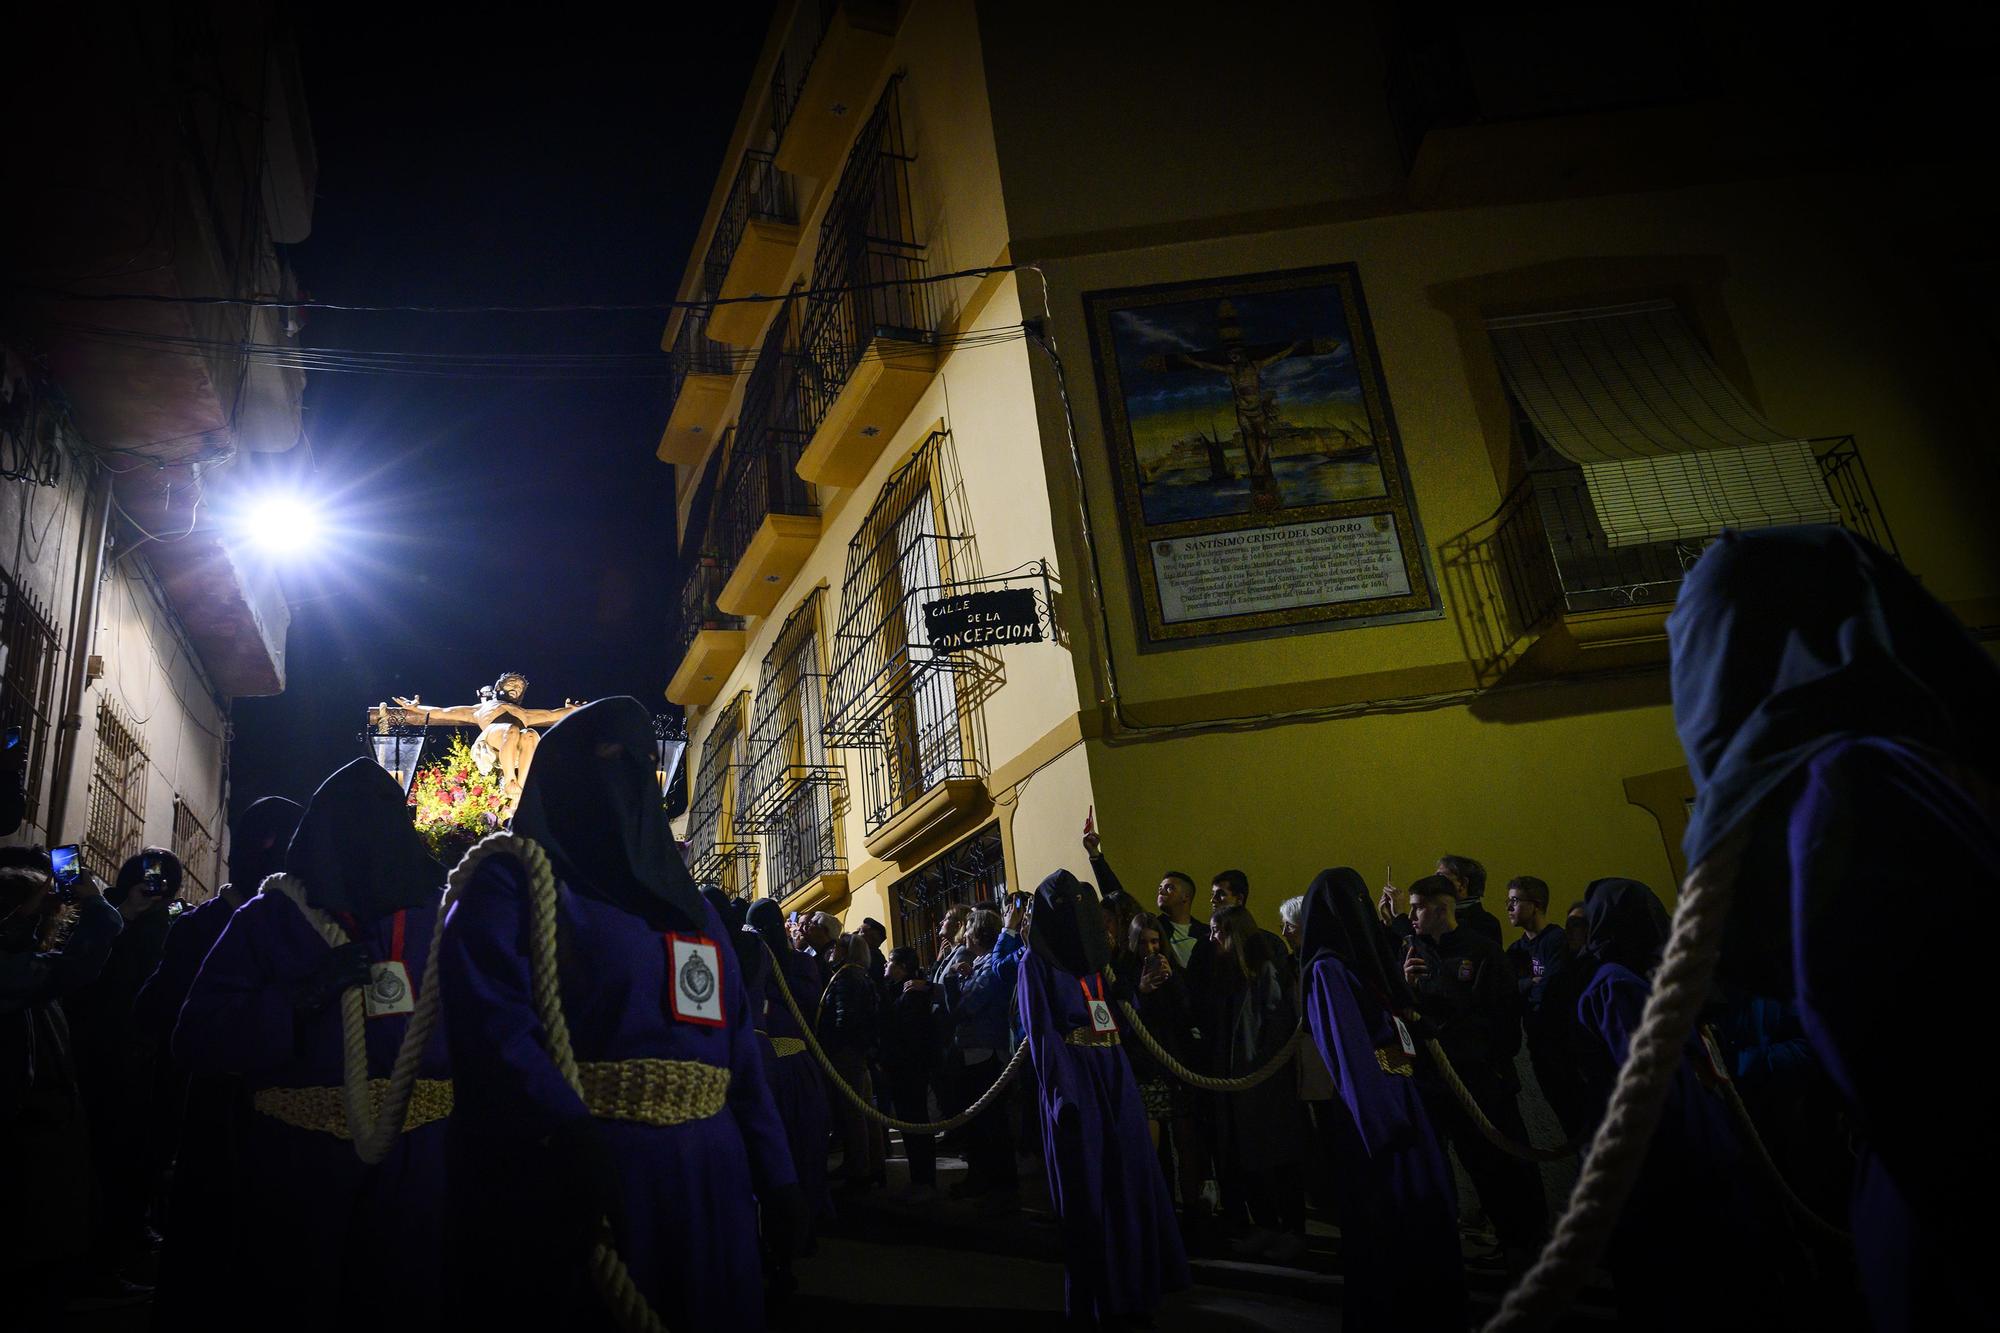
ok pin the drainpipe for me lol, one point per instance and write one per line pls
(82, 638)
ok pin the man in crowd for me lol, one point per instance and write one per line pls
(876, 935)
(978, 1001)
(1464, 988)
(1468, 883)
(1186, 938)
(1542, 962)
(1231, 888)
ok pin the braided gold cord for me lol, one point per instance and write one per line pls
(785, 1046)
(1527, 1152)
(1204, 1081)
(861, 1103)
(325, 1109)
(653, 1092)
(1090, 1037)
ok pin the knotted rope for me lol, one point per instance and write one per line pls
(1821, 1230)
(373, 1133)
(1489, 1131)
(1242, 1083)
(861, 1103)
(1680, 985)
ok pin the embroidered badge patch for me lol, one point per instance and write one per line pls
(695, 980)
(388, 991)
(1466, 968)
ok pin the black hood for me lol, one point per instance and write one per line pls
(257, 843)
(356, 849)
(767, 920)
(1628, 924)
(1339, 922)
(1068, 928)
(592, 800)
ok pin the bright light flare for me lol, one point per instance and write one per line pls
(282, 525)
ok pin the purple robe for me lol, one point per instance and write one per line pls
(797, 1088)
(1698, 1205)
(330, 1241)
(1121, 1249)
(1874, 822)
(685, 1220)
(1399, 1213)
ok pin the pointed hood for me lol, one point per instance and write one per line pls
(1340, 923)
(258, 840)
(356, 849)
(592, 801)
(1067, 930)
(1628, 924)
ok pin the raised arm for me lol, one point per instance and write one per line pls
(467, 716)
(539, 717)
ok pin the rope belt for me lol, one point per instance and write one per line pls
(1090, 1037)
(788, 1046)
(653, 1092)
(1393, 1061)
(325, 1109)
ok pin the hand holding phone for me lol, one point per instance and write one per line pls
(66, 865)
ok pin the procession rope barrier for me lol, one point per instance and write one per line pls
(1527, 1152)
(373, 1130)
(1680, 985)
(1825, 1231)
(1242, 1083)
(860, 1103)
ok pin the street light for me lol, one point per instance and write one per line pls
(670, 730)
(281, 523)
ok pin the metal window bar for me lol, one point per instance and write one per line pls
(195, 847)
(761, 477)
(795, 60)
(702, 571)
(716, 853)
(914, 546)
(801, 838)
(28, 646)
(760, 193)
(868, 263)
(787, 744)
(117, 824)
(972, 871)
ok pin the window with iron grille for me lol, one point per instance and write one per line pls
(196, 849)
(869, 269)
(27, 682)
(791, 789)
(703, 573)
(810, 22)
(973, 871)
(717, 853)
(761, 477)
(117, 827)
(910, 710)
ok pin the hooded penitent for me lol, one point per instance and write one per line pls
(1786, 642)
(592, 800)
(1067, 930)
(356, 849)
(1628, 924)
(258, 840)
(1339, 922)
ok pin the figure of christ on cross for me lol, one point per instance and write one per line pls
(1242, 365)
(506, 728)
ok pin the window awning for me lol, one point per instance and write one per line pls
(1669, 449)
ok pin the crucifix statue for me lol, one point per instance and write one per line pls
(507, 729)
(1242, 365)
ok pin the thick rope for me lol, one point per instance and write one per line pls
(1527, 1152)
(373, 1134)
(1680, 986)
(607, 1271)
(1822, 1230)
(1243, 1083)
(861, 1103)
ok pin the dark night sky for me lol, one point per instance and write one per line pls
(490, 524)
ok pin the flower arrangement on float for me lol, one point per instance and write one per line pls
(455, 804)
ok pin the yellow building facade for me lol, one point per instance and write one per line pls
(1584, 324)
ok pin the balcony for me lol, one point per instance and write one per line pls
(833, 58)
(704, 375)
(791, 789)
(872, 340)
(718, 853)
(1546, 591)
(767, 516)
(752, 248)
(708, 642)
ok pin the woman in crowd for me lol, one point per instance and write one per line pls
(848, 1029)
(1121, 1250)
(330, 1241)
(909, 1054)
(1260, 1144)
(797, 1087)
(674, 1139)
(1149, 981)
(1840, 727)
(1399, 1213)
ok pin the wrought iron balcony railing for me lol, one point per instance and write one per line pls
(760, 193)
(801, 840)
(701, 584)
(694, 352)
(795, 60)
(869, 265)
(1543, 553)
(761, 477)
(717, 852)
(787, 745)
